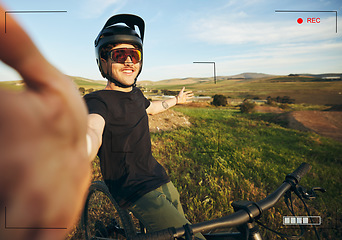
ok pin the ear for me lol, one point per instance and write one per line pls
(103, 60)
(103, 63)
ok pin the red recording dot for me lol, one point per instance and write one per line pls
(299, 20)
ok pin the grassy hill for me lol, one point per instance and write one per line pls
(79, 81)
(88, 83)
(306, 88)
(227, 156)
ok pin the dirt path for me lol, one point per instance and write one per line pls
(167, 120)
(327, 124)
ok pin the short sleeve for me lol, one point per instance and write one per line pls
(96, 106)
(147, 103)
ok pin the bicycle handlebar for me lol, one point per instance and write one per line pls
(297, 174)
(249, 212)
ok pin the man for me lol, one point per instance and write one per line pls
(44, 167)
(118, 129)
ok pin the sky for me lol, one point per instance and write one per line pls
(238, 35)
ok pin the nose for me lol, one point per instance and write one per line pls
(129, 60)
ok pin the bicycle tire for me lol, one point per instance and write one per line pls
(101, 206)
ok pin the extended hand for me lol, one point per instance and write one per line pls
(44, 167)
(184, 96)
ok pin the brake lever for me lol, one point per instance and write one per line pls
(310, 195)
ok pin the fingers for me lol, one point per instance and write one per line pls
(18, 51)
(182, 91)
(15, 43)
(184, 96)
(190, 95)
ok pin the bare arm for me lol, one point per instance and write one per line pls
(44, 167)
(160, 106)
(96, 125)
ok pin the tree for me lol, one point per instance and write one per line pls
(247, 106)
(219, 100)
(82, 90)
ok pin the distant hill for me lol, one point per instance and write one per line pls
(250, 75)
(304, 88)
(191, 81)
(81, 82)
(323, 76)
(88, 83)
(174, 81)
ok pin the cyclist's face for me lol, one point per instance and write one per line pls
(125, 72)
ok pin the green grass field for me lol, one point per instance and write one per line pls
(227, 156)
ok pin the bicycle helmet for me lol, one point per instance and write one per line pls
(113, 33)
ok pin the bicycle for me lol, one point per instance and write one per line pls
(245, 217)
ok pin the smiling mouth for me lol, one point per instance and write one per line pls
(128, 71)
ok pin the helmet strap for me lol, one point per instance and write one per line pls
(119, 84)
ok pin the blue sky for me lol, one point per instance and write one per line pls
(239, 35)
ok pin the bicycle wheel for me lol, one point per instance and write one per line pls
(102, 216)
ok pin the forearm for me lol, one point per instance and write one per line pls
(160, 106)
(92, 142)
(94, 134)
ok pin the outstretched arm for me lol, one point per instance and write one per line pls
(44, 166)
(160, 106)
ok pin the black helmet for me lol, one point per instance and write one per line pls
(115, 34)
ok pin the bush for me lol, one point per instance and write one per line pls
(169, 92)
(270, 101)
(247, 106)
(82, 90)
(287, 99)
(219, 100)
(285, 106)
(284, 99)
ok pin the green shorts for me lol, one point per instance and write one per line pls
(160, 209)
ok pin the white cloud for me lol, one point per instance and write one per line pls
(241, 4)
(222, 30)
(282, 59)
(95, 8)
(287, 58)
(293, 50)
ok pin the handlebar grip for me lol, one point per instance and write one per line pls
(297, 174)
(160, 235)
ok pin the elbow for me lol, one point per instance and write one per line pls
(151, 113)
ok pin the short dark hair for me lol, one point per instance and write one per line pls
(105, 50)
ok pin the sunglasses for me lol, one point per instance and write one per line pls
(120, 55)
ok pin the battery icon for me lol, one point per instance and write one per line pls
(302, 220)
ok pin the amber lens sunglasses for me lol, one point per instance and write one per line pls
(120, 55)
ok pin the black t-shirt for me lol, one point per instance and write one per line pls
(127, 164)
